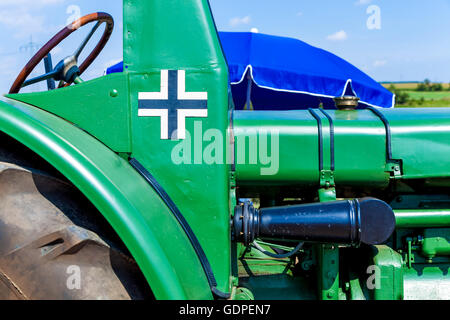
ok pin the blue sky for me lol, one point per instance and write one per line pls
(410, 44)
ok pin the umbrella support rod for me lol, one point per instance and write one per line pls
(249, 91)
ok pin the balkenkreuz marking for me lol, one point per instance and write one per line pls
(173, 104)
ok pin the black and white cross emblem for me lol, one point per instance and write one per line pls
(173, 104)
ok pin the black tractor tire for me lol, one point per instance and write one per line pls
(54, 244)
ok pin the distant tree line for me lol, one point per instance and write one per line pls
(401, 97)
(426, 85)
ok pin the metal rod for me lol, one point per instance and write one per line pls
(248, 102)
(78, 80)
(86, 40)
(39, 79)
(422, 218)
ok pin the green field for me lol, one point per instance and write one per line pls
(421, 99)
(426, 104)
(438, 95)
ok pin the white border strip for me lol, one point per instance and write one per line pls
(163, 114)
(182, 94)
(163, 93)
(191, 113)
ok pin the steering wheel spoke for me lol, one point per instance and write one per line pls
(86, 40)
(37, 79)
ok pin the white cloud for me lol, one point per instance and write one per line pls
(22, 23)
(254, 30)
(237, 21)
(362, 2)
(28, 3)
(379, 63)
(23, 17)
(338, 36)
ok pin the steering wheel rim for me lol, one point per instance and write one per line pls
(101, 17)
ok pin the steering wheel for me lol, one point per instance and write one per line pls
(67, 70)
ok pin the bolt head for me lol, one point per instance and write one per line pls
(114, 93)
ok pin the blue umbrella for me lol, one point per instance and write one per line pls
(278, 73)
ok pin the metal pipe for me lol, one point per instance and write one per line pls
(331, 222)
(368, 220)
(422, 218)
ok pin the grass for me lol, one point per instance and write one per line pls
(421, 99)
(444, 103)
(435, 95)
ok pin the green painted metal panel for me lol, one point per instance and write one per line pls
(328, 271)
(170, 34)
(93, 106)
(328, 260)
(131, 206)
(280, 287)
(360, 149)
(421, 139)
(389, 274)
(181, 35)
(298, 147)
(360, 144)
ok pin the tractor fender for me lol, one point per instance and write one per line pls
(132, 207)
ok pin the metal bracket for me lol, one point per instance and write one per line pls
(409, 255)
(395, 168)
(327, 179)
(326, 169)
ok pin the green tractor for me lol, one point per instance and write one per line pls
(147, 183)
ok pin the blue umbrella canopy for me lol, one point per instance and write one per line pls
(278, 73)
